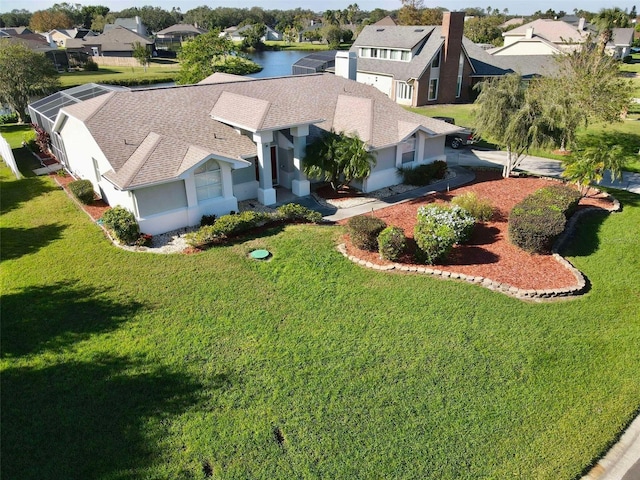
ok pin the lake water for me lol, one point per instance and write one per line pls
(276, 63)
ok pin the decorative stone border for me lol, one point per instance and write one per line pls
(539, 295)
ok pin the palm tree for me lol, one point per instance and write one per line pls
(606, 20)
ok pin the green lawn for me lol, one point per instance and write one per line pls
(159, 71)
(119, 365)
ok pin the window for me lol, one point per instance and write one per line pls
(436, 60)
(374, 53)
(459, 86)
(433, 89)
(460, 72)
(96, 168)
(365, 52)
(408, 148)
(395, 55)
(208, 181)
(404, 91)
(405, 56)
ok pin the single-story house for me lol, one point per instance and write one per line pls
(59, 36)
(115, 42)
(237, 33)
(171, 155)
(180, 32)
(620, 44)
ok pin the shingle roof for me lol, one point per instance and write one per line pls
(487, 65)
(152, 135)
(117, 39)
(430, 40)
(621, 36)
(555, 31)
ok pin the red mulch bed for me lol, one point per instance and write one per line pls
(95, 210)
(488, 254)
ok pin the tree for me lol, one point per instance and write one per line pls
(253, 37)
(99, 21)
(24, 73)
(15, 18)
(483, 29)
(586, 89)
(89, 12)
(411, 12)
(589, 164)
(333, 36)
(606, 20)
(209, 53)
(431, 16)
(47, 20)
(142, 54)
(512, 117)
(338, 159)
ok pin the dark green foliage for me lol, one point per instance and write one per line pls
(8, 118)
(90, 66)
(207, 220)
(364, 231)
(424, 174)
(391, 243)
(227, 226)
(539, 218)
(296, 212)
(479, 208)
(627, 59)
(122, 224)
(434, 241)
(82, 190)
(460, 220)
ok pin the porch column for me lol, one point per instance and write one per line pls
(266, 193)
(420, 147)
(300, 184)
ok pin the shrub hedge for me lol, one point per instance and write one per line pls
(294, 212)
(82, 190)
(391, 243)
(122, 224)
(424, 174)
(539, 218)
(364, 231)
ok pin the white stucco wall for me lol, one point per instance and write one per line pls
(381, 82)
(527, 48)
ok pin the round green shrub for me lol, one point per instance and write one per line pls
(434, 241)
(534, 228)
(82, 190)
(364, 231)
(122, 224)
(459, 219)
(391, 243)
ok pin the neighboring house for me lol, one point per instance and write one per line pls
(35, 41)
(386, 22)
(180, 32)
(237, 34)
(543, 37)
(133, 24)
(171, 155)
(620, 44)
(115, 42)
(415, 65)
(60, 36)
(511, 23)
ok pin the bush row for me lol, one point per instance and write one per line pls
(424, 174)
(372, 234)
(539, 218)
(235, 224)
(8, 118)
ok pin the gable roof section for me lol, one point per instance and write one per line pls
(240, 111)
(402, 37)
(621, 37)
(221, 77)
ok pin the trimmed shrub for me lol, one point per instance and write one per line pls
(82, 190)
(424, 174)
(207, 220)
(90, 66)
(391, 243)
(534, 228)
(479, 208)
(539, 218)
(460, 220)
(434, 241)
(364, 231)
(122, 224)
(295, 213)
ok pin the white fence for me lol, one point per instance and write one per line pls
(7, 154)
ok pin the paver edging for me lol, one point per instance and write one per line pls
(580, 288)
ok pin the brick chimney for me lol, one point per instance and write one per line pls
(452, 29)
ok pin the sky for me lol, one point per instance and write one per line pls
(516, 7)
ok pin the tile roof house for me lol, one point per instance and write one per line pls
(171, 155)
(115, 42)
